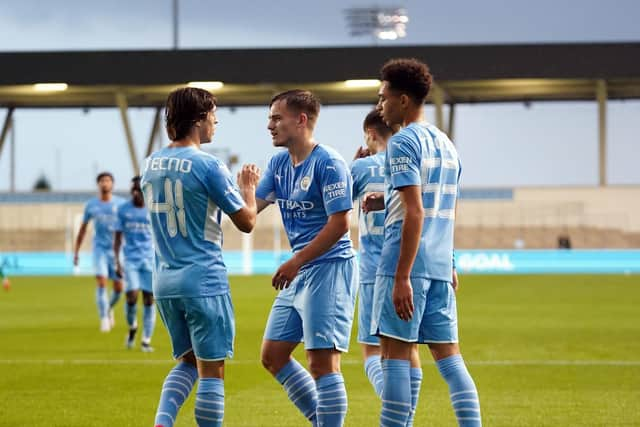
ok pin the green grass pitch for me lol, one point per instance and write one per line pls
(543, 350)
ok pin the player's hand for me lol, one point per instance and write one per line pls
(454, 280)
(75, 260)
(248, 176)
(362, 152)
(118, 270)
(403, 299)
(285, 274)
(373, 202)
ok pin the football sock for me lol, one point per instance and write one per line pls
(210, 402)
(462, 390)
(300, 388)
(396, 394)
(175, 390)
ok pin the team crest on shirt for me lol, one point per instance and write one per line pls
(305, 183)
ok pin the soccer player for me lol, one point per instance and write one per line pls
(367, 171)
(414, 297)
(133, 224)
(186, 190)
(312, 187)
(102, 210)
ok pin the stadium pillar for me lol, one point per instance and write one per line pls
(8, 120)
(601, 96)
(452, 116)
(121, 101)
(155, 128)
(438, 102)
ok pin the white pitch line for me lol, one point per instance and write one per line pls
(345, 362)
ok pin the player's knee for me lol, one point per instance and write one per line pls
(323, 363)
(132, 297)
(147, 298)
(443, 350)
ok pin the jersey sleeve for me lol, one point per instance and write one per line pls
(336, 186)
(221, 188)
(266, 186)
(404, 162)
(87, 216)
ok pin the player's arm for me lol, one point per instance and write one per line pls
(245, 218)
(79, 239)
(411, 198)
(337, 225)
(262, 204)
(117, 244)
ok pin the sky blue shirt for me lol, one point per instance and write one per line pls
(186, 190)
(368, 177)
(307, 194)
(104, 218)
(135, 226)
(422, 155)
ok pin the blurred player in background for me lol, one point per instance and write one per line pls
(186, 191)
(133, 224)
(312, 187)
(102, 210)
(414, 297)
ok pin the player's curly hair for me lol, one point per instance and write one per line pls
(408, 76)
(374, 120)
(184, 107)
(300, 101)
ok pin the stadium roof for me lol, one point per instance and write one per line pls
(466, 74)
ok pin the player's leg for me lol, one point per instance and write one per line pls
(148, 320)
(282, 335)
(398, 348)
(327, 308)
(415, 374)
(212, 328)
(149, 309)
(180, 381)
(132, 288)
(101, 268)
(370, 344)
(441, 333)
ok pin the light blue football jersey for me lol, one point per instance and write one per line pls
(104, 216)
(422, 155)
(135, 226)
(186, 190)
(368, 177)
(307, 195)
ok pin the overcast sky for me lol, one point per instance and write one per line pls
(501, 145)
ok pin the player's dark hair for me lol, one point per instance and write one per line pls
(135, 181)
(300, 101)
(103, 174)
(408, 76)
(374, 120)
(184, 107)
